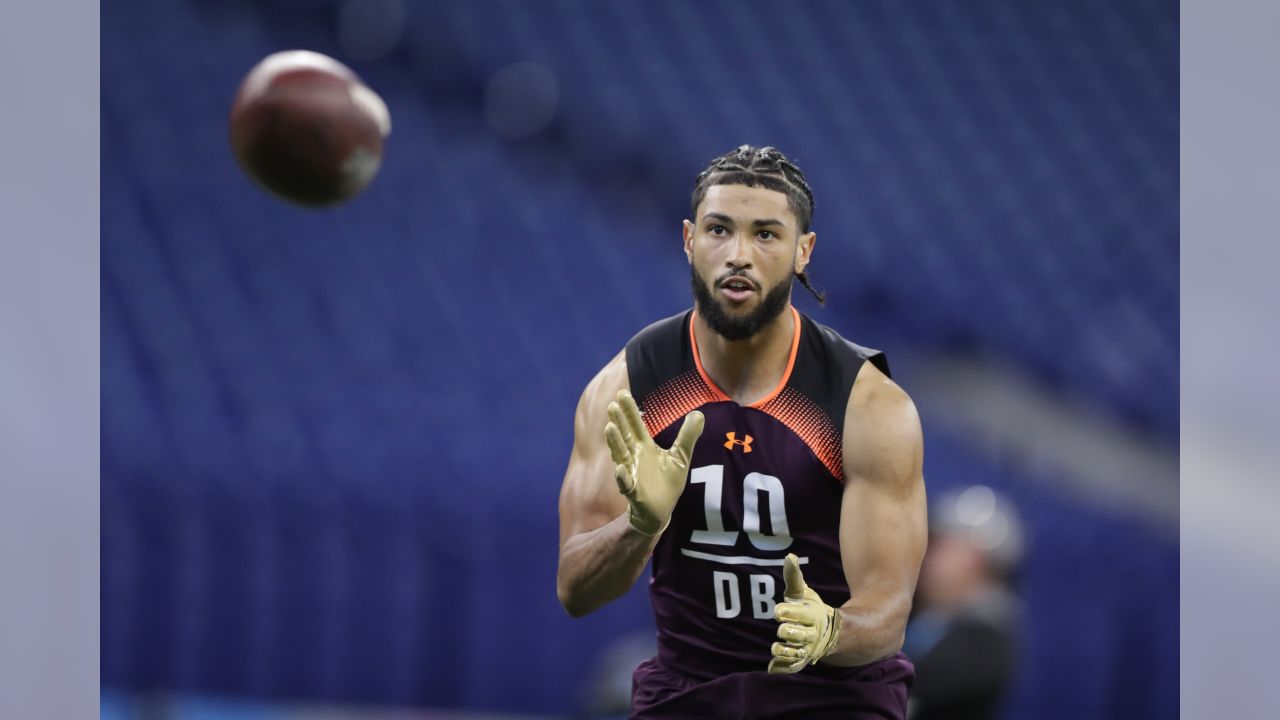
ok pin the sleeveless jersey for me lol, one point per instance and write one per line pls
(765, 480)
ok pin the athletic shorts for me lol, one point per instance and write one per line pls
(878, 690)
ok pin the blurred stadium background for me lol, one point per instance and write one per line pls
(332, 442)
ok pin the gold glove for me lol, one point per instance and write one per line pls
(809, 626)
(649, 477)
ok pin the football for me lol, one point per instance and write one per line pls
(305, 127)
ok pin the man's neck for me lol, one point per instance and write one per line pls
(747, 370)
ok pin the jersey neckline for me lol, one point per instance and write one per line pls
(721, 395)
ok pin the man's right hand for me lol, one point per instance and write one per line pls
(649, 477)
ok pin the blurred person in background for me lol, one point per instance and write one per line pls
(963, 636)
(733, 443)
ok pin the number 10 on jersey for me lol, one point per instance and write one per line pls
(753, 485)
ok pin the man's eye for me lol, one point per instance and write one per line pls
(767, 235)
(717, 230)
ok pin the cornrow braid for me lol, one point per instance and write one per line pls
(821, 297)
(764, 167)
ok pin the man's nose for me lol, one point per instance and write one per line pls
(740, 252)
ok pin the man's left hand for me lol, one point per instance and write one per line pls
(809, 626)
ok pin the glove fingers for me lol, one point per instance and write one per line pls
(618, 449)
(789, 651)
(620, 422)
(631, 414)
(793, 578)
(789, 657)
(690, 431)
(797, 634)
(780, 667)
(626, 483)
(790, 612)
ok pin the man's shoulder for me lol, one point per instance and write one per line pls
(604, 385)
(614, 375)
(659, 353)
(662, 332)
(831, 343)
(649, 351)
(828, 366)
(881, 430)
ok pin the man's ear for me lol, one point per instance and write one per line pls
(687, 231)
(804, 251)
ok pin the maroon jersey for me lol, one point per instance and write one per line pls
(765, 480)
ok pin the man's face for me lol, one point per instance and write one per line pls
(744, 247)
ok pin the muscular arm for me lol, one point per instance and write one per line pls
(883, 520)
(601, 555)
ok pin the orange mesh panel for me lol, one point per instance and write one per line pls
(674, 399)
(811, 424)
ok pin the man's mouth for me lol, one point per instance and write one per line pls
(737, 289)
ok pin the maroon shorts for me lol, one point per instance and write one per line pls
(878, 690)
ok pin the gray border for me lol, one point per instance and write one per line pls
(49, 364)
(1230, 117)
(49, 359)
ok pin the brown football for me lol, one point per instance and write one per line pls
(306, 128)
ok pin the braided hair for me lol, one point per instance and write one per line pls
(767, 168)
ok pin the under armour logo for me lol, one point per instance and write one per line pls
(745, 442)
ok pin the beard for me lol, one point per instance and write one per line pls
(732, 327)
